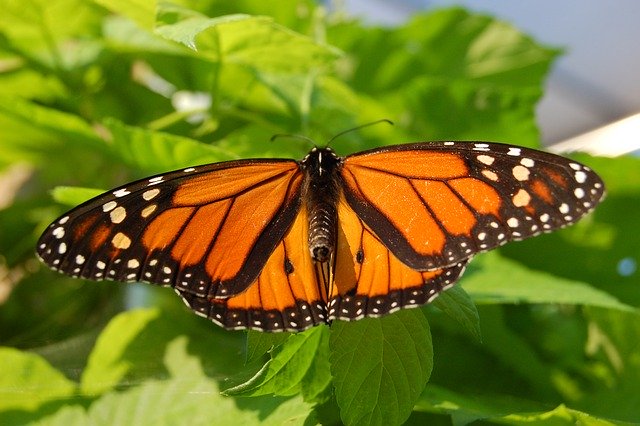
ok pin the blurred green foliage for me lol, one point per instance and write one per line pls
(91, 96)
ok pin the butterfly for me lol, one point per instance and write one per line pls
(284, 245)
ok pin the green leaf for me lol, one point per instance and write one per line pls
(28, 381)
(613, 346)
(36, 26)
(187, 396)
(380, 366)
(289, 364)
(316, 383)
(498, 280)
(36, 134)
(252, 41)
(73, 195)
(156, 152)
(500, 409)
(143, 12)
(465, 408)
(107, 365)
(482, 84)
(259, 343)
(561, 415)
(456, 303)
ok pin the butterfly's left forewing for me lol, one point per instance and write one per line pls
(206, 231)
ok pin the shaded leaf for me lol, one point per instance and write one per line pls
(498, 280)
(380, 366)
(456, 303)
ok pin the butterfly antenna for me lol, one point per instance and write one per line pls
(292, 136)
(353, 129)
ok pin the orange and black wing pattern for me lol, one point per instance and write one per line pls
(207, 231)
(234, 239)
(287, 295)
(435, 204)
(370, 281)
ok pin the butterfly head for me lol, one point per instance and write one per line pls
(320, 163)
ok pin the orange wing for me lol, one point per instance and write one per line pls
(290, 294)
(435, 204)
(286, 296)
(370, 281)
(207, 231)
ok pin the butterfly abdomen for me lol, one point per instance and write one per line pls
(322, 231)
(320, 196)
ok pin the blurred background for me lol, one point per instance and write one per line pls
(593, 91)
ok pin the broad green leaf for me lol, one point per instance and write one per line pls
(73, 195)
(289, 364)
(252, 41)
(28, 381)
(380, 366)
(316, 385)
(473, 76)
(259, 343)
(188, 396)
(500, 409)
(465, 408)
(36, 26)
(106, 365)
(498, 280)
(156, 152)
(456, 303)
(31, 132)
(451, 45)
(561, 415)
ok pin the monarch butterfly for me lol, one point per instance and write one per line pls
(284, 245)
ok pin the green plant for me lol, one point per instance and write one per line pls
(542, 331)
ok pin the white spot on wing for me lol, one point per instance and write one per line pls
(58, 232)
(148, 210)
(521, 173)
(490, 175)
(150, 194)
(521, 198)
(121, 241)
(121, 192)
(486, 159)
(107, 207)
(118, 214)
(527, 162)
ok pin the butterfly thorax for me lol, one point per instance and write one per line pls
(320, 196)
